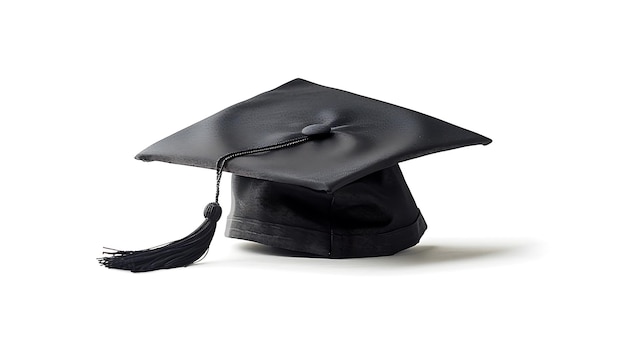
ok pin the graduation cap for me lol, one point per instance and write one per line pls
(315, 170)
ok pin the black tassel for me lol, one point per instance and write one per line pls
(179, 253)
(193, 247)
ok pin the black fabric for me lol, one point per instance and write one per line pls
(373, 216)
(366, 136)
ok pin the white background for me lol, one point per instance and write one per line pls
(526, 236)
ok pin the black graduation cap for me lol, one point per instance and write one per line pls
(315, 170)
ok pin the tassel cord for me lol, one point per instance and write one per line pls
(221, 162)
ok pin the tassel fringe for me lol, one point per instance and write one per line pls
(179, 253)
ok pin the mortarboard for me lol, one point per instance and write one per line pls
(315, 170)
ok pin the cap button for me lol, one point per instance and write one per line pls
(316, 130)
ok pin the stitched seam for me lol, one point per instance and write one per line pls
(269, 224)
(246, 231)
(330, 220)
(385, 233)
(332, 233)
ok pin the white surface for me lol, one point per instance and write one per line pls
(526, 238)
